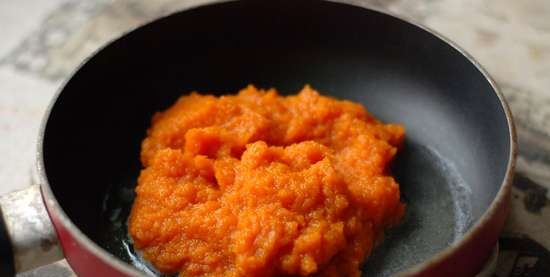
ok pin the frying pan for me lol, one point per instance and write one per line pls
(454, 170)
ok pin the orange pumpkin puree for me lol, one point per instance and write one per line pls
(257, 184)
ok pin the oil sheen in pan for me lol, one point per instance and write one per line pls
(438, 213)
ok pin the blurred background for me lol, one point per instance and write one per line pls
(43, 41)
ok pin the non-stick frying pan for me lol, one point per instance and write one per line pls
(454, 169)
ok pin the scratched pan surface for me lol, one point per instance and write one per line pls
(450, 168)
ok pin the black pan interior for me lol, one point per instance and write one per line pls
(450, 169)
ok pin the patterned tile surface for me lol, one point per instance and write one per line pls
(43, 41)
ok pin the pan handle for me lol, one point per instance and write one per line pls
(27, 237)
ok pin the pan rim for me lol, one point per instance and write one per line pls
(123, 267)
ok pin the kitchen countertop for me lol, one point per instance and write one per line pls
(44, 40)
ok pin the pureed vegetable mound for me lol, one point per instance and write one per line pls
(257, 184)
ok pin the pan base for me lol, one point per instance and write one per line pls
(438, 211)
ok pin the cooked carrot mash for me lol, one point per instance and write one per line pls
(257, 184)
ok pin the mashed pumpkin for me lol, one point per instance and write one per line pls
(257, 184)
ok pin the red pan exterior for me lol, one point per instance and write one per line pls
(83, 261)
